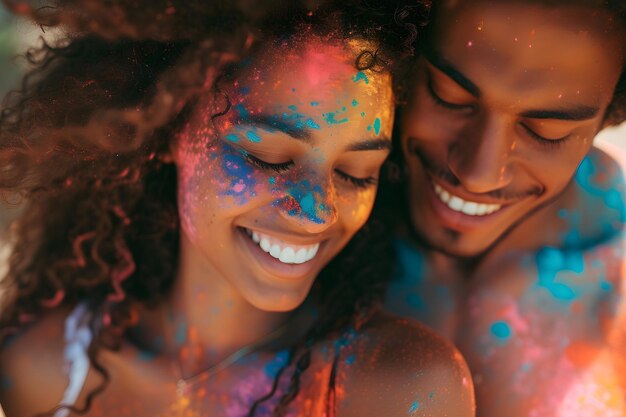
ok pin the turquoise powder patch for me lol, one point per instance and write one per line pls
(377, 126)
(501, 330)
(232, 137)
(360, 76)
(253, 137)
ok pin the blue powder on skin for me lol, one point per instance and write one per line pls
(314, 104)
(377, 126)
(414, 407)
(330, 119)
(355, 103)
(6, 383)
(232, 138)
(292, 107)
(239, 173)
(242, 111)
(307, 203)
(146, 356)
(550, 261)
(501, 330)
(350, 359)
(253, 136)
(181, 334)
(274, 366)
(304, 194)
(360, 76)
(244, 91)
(310, 123)
(415, 301)
(362, 114)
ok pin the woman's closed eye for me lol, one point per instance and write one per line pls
(267, 166)
(285, 166)
(357, 182)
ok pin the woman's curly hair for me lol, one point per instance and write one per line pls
(83, 142)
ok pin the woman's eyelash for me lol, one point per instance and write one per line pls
(285, 166)
(549, 143)
(282, 167)
(357, 182)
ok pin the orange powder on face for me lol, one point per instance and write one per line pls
(581, 354)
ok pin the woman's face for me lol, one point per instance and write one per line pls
(270, 192)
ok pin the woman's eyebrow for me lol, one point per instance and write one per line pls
(380, 144)
(273, 122)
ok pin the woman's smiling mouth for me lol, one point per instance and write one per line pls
(287, 253)
(281, 258)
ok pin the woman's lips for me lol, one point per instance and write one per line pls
(279, 257)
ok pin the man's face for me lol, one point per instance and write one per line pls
(504, 105)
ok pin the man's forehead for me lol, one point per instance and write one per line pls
(525, 50)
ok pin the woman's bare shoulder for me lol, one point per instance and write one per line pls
(32, 367)
(399, 367)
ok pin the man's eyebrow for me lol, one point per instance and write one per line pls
(451, 71)
(274, 123)
(578, 113)
(380, 144)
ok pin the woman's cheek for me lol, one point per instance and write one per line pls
(357, 210)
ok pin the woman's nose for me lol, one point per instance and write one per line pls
(310, 207)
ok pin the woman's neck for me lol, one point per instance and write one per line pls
(205, 319)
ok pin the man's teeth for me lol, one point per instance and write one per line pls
(283, 251)
(466, 207)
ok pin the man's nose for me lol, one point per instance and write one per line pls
(481, 157)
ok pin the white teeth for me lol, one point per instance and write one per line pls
(287, 256)
(301, 256)
(456, 203)
(470, 208)
(275, 251)
(265, 245)
(283, 251)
